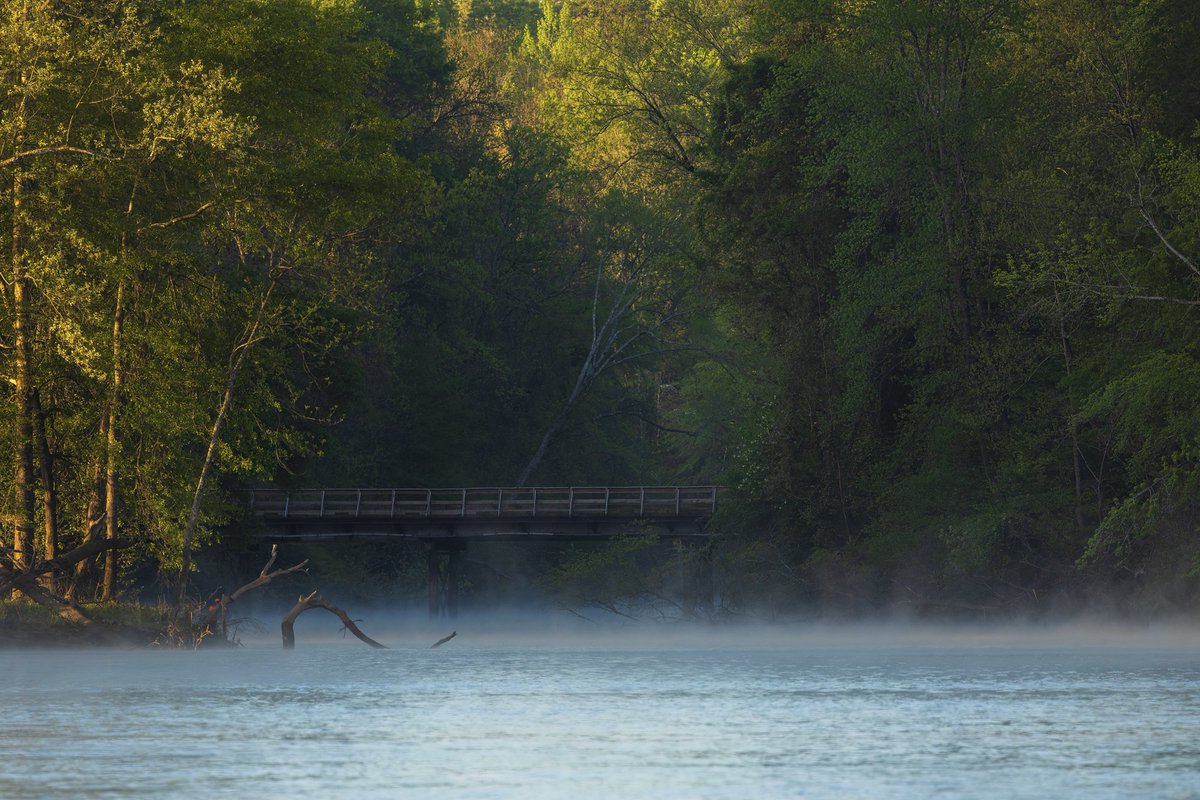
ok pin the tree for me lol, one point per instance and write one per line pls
(88, 109)
(143, 187)
(634, 318)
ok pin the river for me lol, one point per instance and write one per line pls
(647, 712)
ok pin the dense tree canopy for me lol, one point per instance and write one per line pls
(915, 281)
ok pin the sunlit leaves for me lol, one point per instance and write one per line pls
(197, 154)
(630, 85)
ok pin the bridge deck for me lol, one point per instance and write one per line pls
(583, 512)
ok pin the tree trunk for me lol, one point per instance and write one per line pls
(540, 453)
(220, 613)
(62, 563)
(23, 549)
(49, 491)
(111, 445)
(66, 609)
(26, 581)
(236, 358)
(593, 364)
(95, 514)
(23, 526)
(1073, 427)
(606, 350)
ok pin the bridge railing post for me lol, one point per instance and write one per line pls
(642, 502)
(607, 494)
(358, 502)
(499, 502)
(429, 502)
(571, 502)
(534, 501)
(677, 501)
(462, 509)
(393, 514)
(287, 499)
(321, 513)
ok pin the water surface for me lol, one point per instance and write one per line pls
(788, 715)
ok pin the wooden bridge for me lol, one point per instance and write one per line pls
(432, 515)
(444, 520)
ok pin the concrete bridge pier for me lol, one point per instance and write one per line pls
(706, 584)
(700, 591)
(444, 566)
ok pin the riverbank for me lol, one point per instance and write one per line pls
(26, 624)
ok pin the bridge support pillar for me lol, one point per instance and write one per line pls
(706, 586)
(453, 567)
(433, 581)
(698, 566)
(443, 568)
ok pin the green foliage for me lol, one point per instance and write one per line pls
(924, 215)
(915, 281)
(631, 576)
(1155, 429)
(26, 623)
(228, 171)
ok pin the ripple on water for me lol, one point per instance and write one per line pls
(344, 722)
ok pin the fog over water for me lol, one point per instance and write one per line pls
(550, 706)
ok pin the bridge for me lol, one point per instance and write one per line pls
(444, 520)
(436, 515)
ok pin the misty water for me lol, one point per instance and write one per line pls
(638, 712)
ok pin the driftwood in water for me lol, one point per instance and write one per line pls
(443, 640)
(265, 575)
(314, 600)
(219, 610)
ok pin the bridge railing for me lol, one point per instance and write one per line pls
(525, 502)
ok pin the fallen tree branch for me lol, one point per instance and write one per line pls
(220, 609)
(313, 600)
(26, 583)
(84, 566)
(265, 575)
(85, 550)
(443, 640)
(9, 577)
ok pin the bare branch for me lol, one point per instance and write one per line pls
(265, 576)
(1179, 301)
(313, 600)
(63, 562)
(39, 151)
(181, 218)
(1167, 244)
(660, 351)
(647, 420)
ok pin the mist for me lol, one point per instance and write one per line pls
(518, 627)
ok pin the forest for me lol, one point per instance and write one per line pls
(916, 283)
